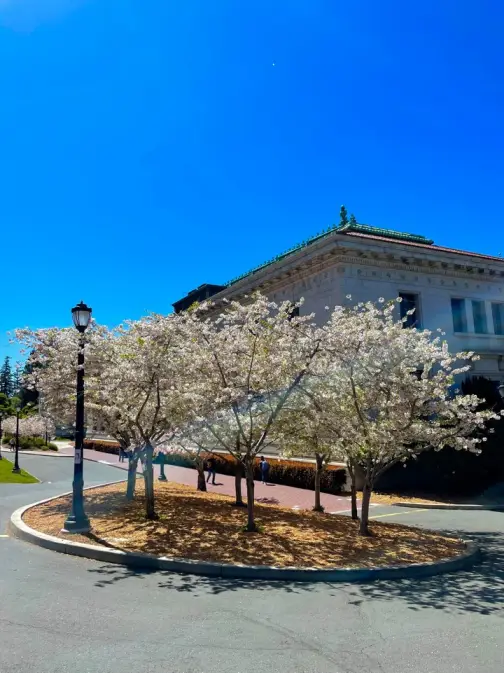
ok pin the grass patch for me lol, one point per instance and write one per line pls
(8, 477)
(204, 526)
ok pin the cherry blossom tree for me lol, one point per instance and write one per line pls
(302, 431)
(241, 368)
(397, 390)
(31, 426)
(131, 384)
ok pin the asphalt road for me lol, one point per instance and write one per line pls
(62, 614)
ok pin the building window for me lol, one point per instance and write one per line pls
(498, 318)
(480, 319)
(459, 315)
(409, 302)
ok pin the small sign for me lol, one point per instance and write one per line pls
(78, 456)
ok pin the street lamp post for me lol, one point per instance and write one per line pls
(77, 521)
(16, 469)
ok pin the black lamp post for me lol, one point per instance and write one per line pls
(77, 521)
(16, 469)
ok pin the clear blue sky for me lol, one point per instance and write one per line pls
(148, 147)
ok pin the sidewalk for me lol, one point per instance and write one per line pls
(274, 494)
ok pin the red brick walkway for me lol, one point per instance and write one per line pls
(287, 496)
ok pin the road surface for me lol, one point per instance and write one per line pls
(64, 614)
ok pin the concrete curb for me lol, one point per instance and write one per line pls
(51, 454)
(480, 508)
(19, 529)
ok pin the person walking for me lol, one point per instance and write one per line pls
(211, 470)
(264, 467)
(122, 455)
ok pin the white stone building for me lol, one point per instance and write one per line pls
(460, 292)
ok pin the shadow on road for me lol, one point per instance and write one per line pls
(478, 590)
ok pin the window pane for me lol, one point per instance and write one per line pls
(498, 318)
(459, 315)
(409, 302)
(479, 315)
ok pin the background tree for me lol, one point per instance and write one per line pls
(353, 219)
(7, 410)
(6, 378)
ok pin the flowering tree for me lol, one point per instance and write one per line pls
(6, 411)
(241, 368)
(302, 431)
(397, 388)
(131, 384)
(31, 426)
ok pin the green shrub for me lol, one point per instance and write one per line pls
(30, 443)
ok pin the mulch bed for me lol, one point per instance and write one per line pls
(204, 526)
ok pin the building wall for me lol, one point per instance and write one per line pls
(368, 282)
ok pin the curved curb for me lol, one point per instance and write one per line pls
(480, 508)
(19, 529)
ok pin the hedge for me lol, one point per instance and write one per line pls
(286, 472)
(30, 443)
(101, 445)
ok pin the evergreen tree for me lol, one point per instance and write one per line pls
(28, 396)
(352, 219)
(343, 215)
(6, 378)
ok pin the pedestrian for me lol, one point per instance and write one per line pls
(122, 455)
(264, 467)
(211, 470)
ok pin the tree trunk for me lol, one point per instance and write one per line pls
(238, 485)
(318, 476)
(132, 473)
(366, 499)
(353, 491)
(201, 478)
(251, 526)
(150, 510)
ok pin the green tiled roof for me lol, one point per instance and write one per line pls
(340, 229)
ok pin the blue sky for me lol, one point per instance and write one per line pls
(148, 147)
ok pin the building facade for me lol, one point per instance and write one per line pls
(460, 292)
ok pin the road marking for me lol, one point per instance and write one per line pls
(105, 462)
(411, 511)
(4, 536)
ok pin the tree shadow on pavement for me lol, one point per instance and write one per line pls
(195, 584)
(477, 590)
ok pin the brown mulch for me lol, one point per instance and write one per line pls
(204, 526)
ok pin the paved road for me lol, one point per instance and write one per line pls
(61, 614)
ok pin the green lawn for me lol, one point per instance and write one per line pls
(7, 477)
